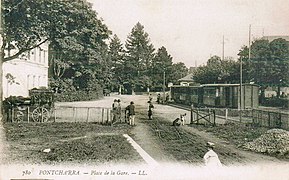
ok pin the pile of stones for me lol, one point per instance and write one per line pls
(274, 141)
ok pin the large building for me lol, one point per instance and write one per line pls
(271, 38)
(28, 71)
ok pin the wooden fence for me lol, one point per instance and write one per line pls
(82, 114)
(256, 117)
(271, 119)
(60, 114)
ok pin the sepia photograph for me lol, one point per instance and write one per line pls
(144, 89)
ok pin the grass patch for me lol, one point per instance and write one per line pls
(68, 143)
(237, 134)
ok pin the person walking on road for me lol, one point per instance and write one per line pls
(159, 98)
(211, 158)
(150, 97)
(131, 113)
(150, 111)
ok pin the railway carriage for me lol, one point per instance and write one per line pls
(217, 95)
(186, 94)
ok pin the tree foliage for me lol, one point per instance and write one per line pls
(139, 54)
(179, 70)
(77, 38)
(269, 62)
(29, 23)
(116, 58)
(161, 63)
(218, 71)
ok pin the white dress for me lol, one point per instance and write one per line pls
(211, 159)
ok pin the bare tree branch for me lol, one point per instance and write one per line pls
(23, 50)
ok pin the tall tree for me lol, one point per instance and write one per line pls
(161, 63)
(179, 70)
(139, 57)
(116, 55)
(280, 61)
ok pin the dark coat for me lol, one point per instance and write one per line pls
(131, 109)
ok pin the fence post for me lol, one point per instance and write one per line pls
(12, 114)
(258, 117)
(252, 115)
(102, 117)
(54, 114)
(226, 114)
(214, 112)
(192, 118)
(240, 115)
(269, 120)
(197, 116)
(28, 114)
(74, 114)
(87, 115)
(42, 114)
(107, 115)
(209, 113)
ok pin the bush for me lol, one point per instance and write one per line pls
(276, 102)
(65, 91)
(78, 96)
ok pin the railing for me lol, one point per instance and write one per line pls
(271, 119)
(82, 114)
(256, 117)
(60, 114)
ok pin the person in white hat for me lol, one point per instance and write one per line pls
(211, 158)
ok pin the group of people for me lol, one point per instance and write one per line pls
(211, 158)
(129, 112)
(160, 98)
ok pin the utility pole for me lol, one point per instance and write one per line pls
(249, 41)
(241, 75)
(164, 87)
(223, 52)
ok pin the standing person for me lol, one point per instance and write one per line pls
(150, 111)
(159, 98)
(131, 113)
(118, 111)
(211, 158)
(114, 110)
(150, 98)
(167, 97)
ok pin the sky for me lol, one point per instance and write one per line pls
(194, 30)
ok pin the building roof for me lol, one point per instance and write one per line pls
(215, 85)
(271, 38)
(187, 78)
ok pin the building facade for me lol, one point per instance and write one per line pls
(30, 70)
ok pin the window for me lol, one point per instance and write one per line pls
(44, 56)
(40, 54)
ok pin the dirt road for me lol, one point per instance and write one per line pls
(146, 136)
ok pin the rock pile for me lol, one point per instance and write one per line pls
(274, 141)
